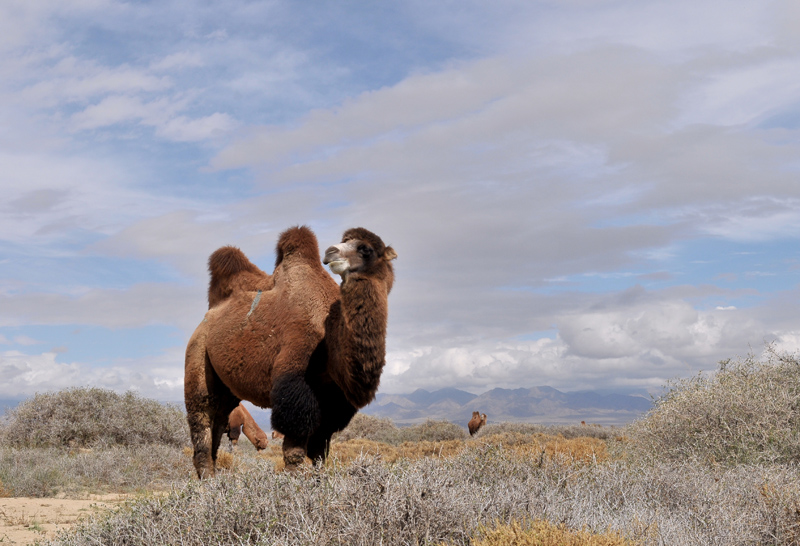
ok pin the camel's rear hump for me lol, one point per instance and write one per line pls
(231, 270)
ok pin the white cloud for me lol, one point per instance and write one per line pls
(183, 129)
(73, 80)
(133, 307)
(182, 59)
(619, 345)
(24, 375)
(743, 94)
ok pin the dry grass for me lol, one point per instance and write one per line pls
(566, 431)
(545, 447)
(544, 533)
(384, 431)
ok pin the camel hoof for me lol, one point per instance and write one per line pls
(293, 458)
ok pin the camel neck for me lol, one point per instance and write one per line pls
(360, 345)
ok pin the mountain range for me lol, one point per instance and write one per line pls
(543, 405)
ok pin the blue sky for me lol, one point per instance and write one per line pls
(586, 195)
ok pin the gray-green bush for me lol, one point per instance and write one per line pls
(748, 412)
(50, 471)
(92, 417)
(443, 500)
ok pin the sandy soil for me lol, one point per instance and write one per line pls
(24, 520)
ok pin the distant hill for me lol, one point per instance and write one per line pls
(544, 405)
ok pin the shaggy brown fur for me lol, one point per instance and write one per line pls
(293, 341)
(240, 421)
(231, 270)
(477, 421)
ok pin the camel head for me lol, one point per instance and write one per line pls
(361, 252)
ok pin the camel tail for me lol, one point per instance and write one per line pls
(224, 264)
(298, 240)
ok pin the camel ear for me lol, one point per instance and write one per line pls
(389, 253)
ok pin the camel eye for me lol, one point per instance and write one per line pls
(365, 251)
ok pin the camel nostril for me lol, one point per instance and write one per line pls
(330, 255)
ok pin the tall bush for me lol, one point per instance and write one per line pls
(92, 417)
(746, 412)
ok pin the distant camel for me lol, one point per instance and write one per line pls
(295, 341)
(276, 435)
(240, 421)
(477, 421)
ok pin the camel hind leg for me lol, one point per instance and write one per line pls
(208, 404)
(208, 422)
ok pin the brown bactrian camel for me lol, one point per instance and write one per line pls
(477, 421)
(276, 435)
(240, 421)
(295, 341)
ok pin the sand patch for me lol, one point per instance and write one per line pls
(24, 520)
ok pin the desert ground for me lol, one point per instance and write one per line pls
(24, 520)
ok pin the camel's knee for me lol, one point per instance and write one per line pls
(295, 409)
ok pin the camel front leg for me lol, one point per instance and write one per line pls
(296, 413)
(336, 414)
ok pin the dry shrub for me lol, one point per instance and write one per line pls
(433, 431)
(748, 412)
(92, 417)
(45, 472)
(382, 430)
(369, 428)
(567, 431)
(435, 500)
(543, 533)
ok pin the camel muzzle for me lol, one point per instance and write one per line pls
(331, 255)
(334, 258)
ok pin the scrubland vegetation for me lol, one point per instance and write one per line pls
(715, 462)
